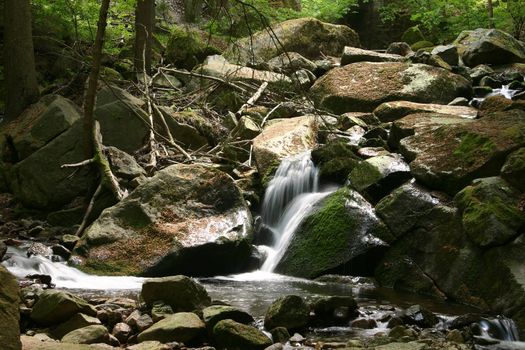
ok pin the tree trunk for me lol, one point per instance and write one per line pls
(490, 12)
(144, 27)
(192, 10)
(19, 58)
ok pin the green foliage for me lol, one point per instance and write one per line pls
(327, 10)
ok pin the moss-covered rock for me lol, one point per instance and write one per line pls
(422, 45)
(54, 307)
(334, 310)
(412, 35)
(229, 334)
(87, 335)
(290, 312)
(341, 233)
(181, 293)
(180, 327)
(335, 161)
(215, 313)
(491, 212)
(391, 111)
(187, 48)
(513, 171)
(75, 322)
(9, 313)
(364, 86)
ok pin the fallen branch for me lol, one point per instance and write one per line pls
(251, 102)
(203, 76)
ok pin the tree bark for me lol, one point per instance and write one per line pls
(144, 27)
(19, 58)
(490, 12)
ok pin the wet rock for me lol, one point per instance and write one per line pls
(449, 54)
(121, 331)
(455, 336)
(180, 292)
(41, 249)
(391, 111)
(419, 316)
(61, 251)
(335, 161)
(489, 46)
(402, 332)
(159, 310)
(290, 312)
(75, 322)
(334, 310)
(345, 225)
(87, 335)
(3, 249)
(9, 313)
(280, 335)
(215, 313)
(307, 36)
(491, 212)
(55, 307)
(370, 152)
(513, 171)
(194, 213)
(180, 327)
(377, 176)
(361, 87)
(69, 241)
(354, 54)
(230, 334)
(364, 323)
(290, 62)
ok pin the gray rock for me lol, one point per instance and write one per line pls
(180, 292)
(290, 62)
(290, 312)
(54, 307)
(399, 48)
(354, 54)
(215, 313)
(179, 327)
(449, 54)
(391, 111)
(513, 171)
(233, 335)
(121, 331)
(75, 322)
(87, 335)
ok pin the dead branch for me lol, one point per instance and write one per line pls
(251, 102)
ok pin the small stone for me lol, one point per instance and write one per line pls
(280, 335)
(455, 336)
(121, 331)
(297, 338)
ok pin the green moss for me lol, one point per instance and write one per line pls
(471, 145)
(270, 172)
(364, 175)
(422, 45)
(111, 268)
(412, 35)
(186, 48)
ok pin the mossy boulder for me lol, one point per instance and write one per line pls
(188, 47)
(290, 312)
(181, 293)
(342, 233)
(230, 334)
(216, 313)
(422, 45)
(513, 170)
(9, 313)
(54, 307)
(489, 46)
(75, 322)
(412, 35)
(335, 161)
(491, 212)
(334, 310)
(392, 111)
(187, 219)
(87, 335)
(180, 327)
(307, 36)
(361, 87)
(448, 53)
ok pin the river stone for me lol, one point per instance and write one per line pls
(281, 139)
(290, 62)
(399, 48)
(513, 170)
(9, 313)
(489, 46)
(334, 310)
(449, 157)
(290, 311)
(375, 177)
(215, 313)
(54, 307)
(419, 316)
(149, 345)
(187, 219)
(180, 292)
(335, 161)
(391, 111)
(179, 327)
(354, 54)
(361, 87)
(121, 331)
(87, 335)
(234, 335)
(403, 346)
(448, 53)
(307, 36)
(342, 233)
(491, 211)
(75, 322)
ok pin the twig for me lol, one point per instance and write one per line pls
(203, 76)
(252, 99)
(78, 165)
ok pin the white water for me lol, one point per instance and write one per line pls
(503, 91)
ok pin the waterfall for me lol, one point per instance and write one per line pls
(289, 198)
(501, 328)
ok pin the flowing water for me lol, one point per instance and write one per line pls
(504, 91)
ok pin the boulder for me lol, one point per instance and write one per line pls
(54, 307)
(9, 313)
(448, 53)
(188, 47)
(513, 171)
(290, 62)
(489, 46)
(375, 177)
(307, 36)
(412, 35)
(354, 54)
(179, 327)
(87, 335)
(335, 161)
(391, 111)
(215, 313)
(403, 346)
(290, 312)
(187, 219)
(361, 87)
(334, 310)
(180, 292)
(450, 156)
(149, 345)
(342, 233)
(122, 331)
(491, 212)
(75, 322)
(399, 48)
(419, 316)
(281, 139)
(229, 334)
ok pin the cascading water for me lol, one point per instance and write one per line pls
(504, 91)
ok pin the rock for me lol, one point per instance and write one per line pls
(403, 346)
(344, 224)
(354, 54)
(55, 307)
(159, 310)
(449, 157)
(335, 161)
(3, 250)
(75, 322)
(39, 249)
(191, 128)
(276, 346)
(375, 177)
(123, 165)
(167, 81)
(246, 129)
(419, 316)
(480, 71)
(180, 327)
(363, 86)
(215, 313)
(489, 46)
(455, 336)
(290, 62)
(412, 35)
(233, 335)
(138, 321)
(149, 345)
(423, 45)
(309, 37)
(491, 212)
(391, 111)
(187, 47)
(448, 53)
(290, 312)
(280, 335)
(334, 310)
(194, 213)
(121, 331)
(303, 78)
(363, 323)
(87, 335)
(513, 171)
(459, 101)
(347, 120)
(9, 313)
(180, 292)
(281, 139)
(399, 48)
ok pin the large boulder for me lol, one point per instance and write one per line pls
(306, 36)
(187, 219)
(9, 313)
(361, 87)
(355, 54)
(290, 312)
(87, 335)
(216, 313)
(391, 111)
(450, 156)
(181, 293)
(187, 47)
(54, 307)
(342, 233)
(179, 327)
(281, 139)
(489, 46)
(234, 335)
(75, 322)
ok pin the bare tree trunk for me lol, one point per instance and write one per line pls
(490, 12)
(19, 58)
(144, 27)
